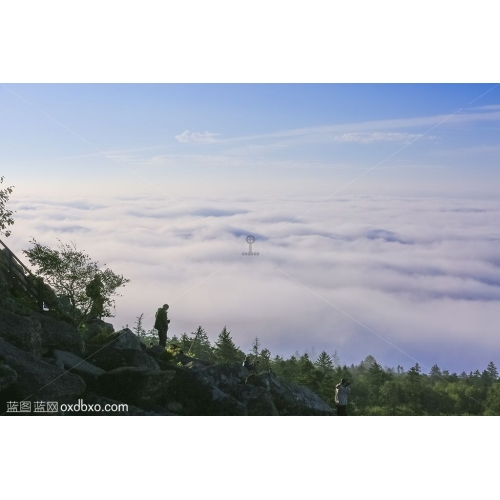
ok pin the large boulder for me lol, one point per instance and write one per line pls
(136, 386)
(200, 397)
(290, 398)
(108, 358)
(7, 377)
(256, 400)
(225, 376)
(60, 335)
(95, 327)
(155, 351)
(125, 339)
(37, 380)
(77, 365)
(24, 332)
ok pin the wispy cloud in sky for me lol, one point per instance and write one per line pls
(367, 138)
(203, 137)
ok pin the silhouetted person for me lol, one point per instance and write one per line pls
(161, 324)
(95, 291)
(341, 392)
(271, 372)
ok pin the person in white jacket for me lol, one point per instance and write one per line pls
(341, 392)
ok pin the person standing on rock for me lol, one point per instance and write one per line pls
(161, 324)
(341, 392)
(95, 292)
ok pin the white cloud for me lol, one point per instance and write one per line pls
(202, 137)
(422, 273)
(368, 138)
(487, 114)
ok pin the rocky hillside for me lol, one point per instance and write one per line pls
(44, 361)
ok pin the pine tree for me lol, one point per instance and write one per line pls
(225, 349)
(305, 374)
(256, 347)
(265, 360)
(256, 351)
(492, 370)
(335, 359)
(185, 342)
(435, 373)
(324, 362)
(200, 346)
(368, 362)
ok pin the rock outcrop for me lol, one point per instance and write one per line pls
(136, 386)
(23, 332)
(36, 379)
(58, 334)
(46, 359)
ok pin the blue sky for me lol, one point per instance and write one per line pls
(323, 129)
(374, 207)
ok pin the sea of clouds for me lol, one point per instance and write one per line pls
(404, 279)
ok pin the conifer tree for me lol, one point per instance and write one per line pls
(200, 346)
(435, 373)
(324, 362)
(335, 359)
(492, 370)
(185, 342)
(265, 360)
(256, 350)
(225, 350)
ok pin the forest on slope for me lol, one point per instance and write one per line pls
(375, 390)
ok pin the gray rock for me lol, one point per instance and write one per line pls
(94, 328)
(23, 332)
(155, 351)
(77, 365)
(7, 377)
(126, 339)
(60, 335)
(109, 358)
(136, 386)
(54, 362)
(292, 399)
(200, 397)
(37, 379)
(225, 376)
(174, 407)
(256, 400)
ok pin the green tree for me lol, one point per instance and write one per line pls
(368, 362)
(185, 342)
(324, 362)
(225, 349)
(335, 359)
(492, 402)
(492, 370)
(69, 271)
(200, 346)
(435, 373)
(5, 215)
(265, 360)
(256, 347)
(146, 337)
(413, 379)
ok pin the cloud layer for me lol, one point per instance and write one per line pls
(404, 279)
